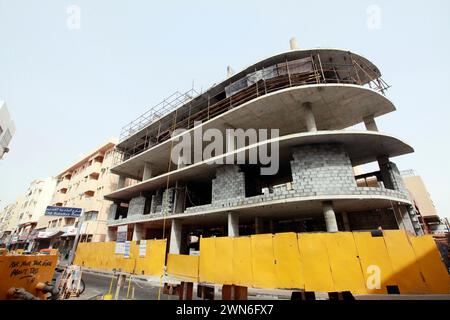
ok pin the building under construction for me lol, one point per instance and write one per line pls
(313, 97)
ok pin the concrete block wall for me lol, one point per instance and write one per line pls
(156, 204)
(323, 169)
(229, 183)
(112, 211)
(136, 206)
(168, 200)
(317, 170)
(396, 177)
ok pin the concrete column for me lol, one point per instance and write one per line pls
(121, 182)
(258, 225)
(175, 237)
(233, 224)
(293, 44)
(370, 124)
(183, 161)
(310, 120)
(383, 163)
(138, 232)
(180, 197)
(110, 235)
(346, 221)
(147, 171)
(330, 217)
(403, 219)
(271, 226)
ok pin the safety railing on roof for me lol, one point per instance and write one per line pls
(158, 111)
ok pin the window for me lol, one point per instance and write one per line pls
(91, 215)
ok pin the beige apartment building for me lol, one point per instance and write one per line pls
(9, 218)
(423, 202)
(82, 185)
(36, 199)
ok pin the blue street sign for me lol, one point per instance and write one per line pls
(63, 211)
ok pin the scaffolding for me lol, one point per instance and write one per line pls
(158, 111)
(181, 111)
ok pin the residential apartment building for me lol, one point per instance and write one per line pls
(82, 185)
(423, 203)
(312, 97)
(9, 218)
(35, 201)
(7, 129)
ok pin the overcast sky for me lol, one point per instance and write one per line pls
(71, 86)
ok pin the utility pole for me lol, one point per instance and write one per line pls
(77, 237)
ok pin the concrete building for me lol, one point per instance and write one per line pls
(35, 201)
(7, 129)
(312, 97)
(82, 185)
(9, 218)
(423, 203)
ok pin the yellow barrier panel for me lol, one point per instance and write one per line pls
(224, 261)
(315, 262)
(344, 263)
(101, 255)
(207, 260)
(242, 262)
(430, 264)
(288, 266)
(374, 261)
(263, 262)
(154, 260)
(25, 271)
(183, 266)
(404, 264)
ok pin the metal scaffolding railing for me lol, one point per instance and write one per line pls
(158, 111)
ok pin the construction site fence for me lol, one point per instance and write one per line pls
(359, 262)
(102, 256)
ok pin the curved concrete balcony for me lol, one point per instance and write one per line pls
(361, 146)
(335, 107)
(283, 205)
(286, 70)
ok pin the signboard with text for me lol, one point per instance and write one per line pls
(121, 239)
(63, 211)
(142, 248)
(127, 249)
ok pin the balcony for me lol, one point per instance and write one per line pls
(93, 171)
(59, 197)
(63, 184)
(91, 204)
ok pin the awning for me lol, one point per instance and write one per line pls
(49, 234)
(69, 232)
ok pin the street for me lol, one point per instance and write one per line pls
(98, 285)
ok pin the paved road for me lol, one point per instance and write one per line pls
(98, 285)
